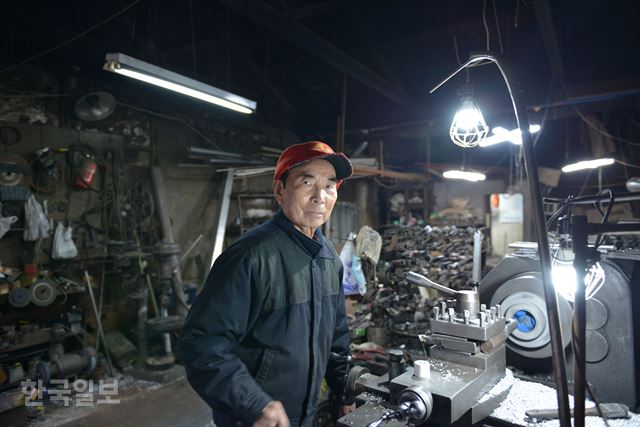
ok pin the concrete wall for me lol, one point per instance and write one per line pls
(476, 192)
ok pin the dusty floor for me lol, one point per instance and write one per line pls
(172, 405)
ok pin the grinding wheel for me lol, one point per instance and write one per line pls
(43, 293)
(19, 297)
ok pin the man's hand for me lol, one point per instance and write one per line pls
(345, 409)
(272, 415)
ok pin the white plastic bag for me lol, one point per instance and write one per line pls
(5, 224)
(63, 246)
(36, 223)
(353, 280)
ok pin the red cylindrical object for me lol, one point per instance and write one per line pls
(86, 174)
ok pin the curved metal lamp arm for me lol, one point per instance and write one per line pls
(531, 167)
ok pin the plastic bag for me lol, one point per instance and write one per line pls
(5, 224)
(63, 246)
(36, 223)
(368, 244)
(353, 280)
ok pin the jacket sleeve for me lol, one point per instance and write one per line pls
(335, 374)
(220, 317)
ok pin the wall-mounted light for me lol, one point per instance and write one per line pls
(122, 64)
(465, 175)
(587, 164)
(501, 134)
(468, 127)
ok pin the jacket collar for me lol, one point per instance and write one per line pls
(316, 247)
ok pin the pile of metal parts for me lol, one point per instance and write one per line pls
(444, 254)
(454, 383)
(43, 352)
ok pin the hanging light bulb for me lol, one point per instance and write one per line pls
(468, 128)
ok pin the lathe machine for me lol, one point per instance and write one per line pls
(454, 384)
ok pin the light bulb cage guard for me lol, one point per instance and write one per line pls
(468, 136)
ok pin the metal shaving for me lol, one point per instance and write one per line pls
(525, 395)
(503, 385)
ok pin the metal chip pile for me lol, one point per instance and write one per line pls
(444, 255)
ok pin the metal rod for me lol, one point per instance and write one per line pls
(471, 61)
(531, 166)
(342, 119)
(167, 237)
(222, 216)
(98, 322)
(477, 256)
(625, 228)
(587, 200)
(152, 295)
(422, 281)
(207, 151)
(193, 245)
(579, 240)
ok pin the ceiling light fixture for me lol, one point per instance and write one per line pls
(587, 164)
(465, 175)
(501, 134)
(122, 64)
(468, 127)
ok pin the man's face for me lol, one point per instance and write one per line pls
(309, 195)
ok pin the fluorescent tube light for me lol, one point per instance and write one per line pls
(143, 71)
(501, 134)
(466, 175)
(587, 164)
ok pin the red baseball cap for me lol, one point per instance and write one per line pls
(297, 154)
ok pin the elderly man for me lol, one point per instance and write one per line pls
(257, 340)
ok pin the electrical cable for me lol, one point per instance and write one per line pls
(455, 49)
(193, 40)
(605, 215)
(634, 121)
(594, 126)
(388, 187)
(72, 39)
(486, 26)
(506, 153)
(172, 118)
(546, 110)
(629, 165)
(495, 17)
(38, 95)
(584, 184)
(596, 204)
(563, 207)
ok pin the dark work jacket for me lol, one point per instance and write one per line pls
(270, 312)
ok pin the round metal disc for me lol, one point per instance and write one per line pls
(596, 314)
(19, 297)
(11, 179)
(43, 293)
(596, 346)
(522, 297)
